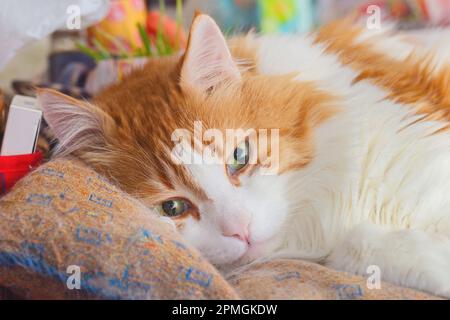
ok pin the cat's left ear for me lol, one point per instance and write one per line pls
(207, 62)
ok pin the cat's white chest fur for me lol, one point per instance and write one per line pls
(378, 189)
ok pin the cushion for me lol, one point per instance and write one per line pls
(64, 216)
(294, 279)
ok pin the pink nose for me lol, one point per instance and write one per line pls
(238, 232)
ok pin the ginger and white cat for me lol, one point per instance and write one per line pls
(364, 148)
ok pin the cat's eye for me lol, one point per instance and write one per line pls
(240, 158)
(174, 207)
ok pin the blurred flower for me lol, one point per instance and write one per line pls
(173, 33)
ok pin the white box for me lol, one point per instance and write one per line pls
(22, 126)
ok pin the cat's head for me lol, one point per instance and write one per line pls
(231, 199)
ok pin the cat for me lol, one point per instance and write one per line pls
(363, 172)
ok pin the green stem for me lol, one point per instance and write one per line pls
(145, 40)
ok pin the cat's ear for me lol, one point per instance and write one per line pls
(76, 124)
(207, 62)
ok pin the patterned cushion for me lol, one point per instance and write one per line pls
(294, 279)
(64, 214)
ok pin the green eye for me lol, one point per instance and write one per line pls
(174, 207)
(240, 158)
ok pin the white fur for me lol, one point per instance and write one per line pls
(232, 210)
(370, 170)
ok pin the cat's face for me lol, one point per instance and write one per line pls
(231, 196)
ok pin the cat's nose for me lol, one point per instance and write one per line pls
(237, 231)
(241, 236)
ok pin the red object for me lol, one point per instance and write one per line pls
(13, 168)
(169, 29)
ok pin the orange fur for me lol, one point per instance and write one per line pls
(149, 105)
(412, 81)
(244, 49)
